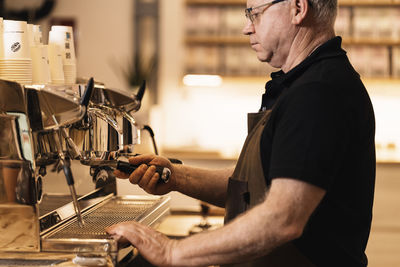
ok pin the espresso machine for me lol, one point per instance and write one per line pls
(59, 146)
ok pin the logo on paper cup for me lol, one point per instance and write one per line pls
(15, 46)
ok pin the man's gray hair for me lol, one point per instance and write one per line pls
(325, 11)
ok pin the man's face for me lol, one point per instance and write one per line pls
(268, 32)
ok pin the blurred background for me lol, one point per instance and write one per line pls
(204, 78)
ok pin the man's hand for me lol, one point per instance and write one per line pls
(152, 245)
(146, 177)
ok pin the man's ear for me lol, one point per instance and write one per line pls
(299, 10)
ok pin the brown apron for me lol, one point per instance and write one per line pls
(247, 188)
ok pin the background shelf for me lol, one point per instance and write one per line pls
(214, 42)
(341, 2)
(231, 40)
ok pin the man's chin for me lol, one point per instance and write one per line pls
(263, 58)
(266, 59)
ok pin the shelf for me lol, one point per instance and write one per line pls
(258, 79)
(225, 40)
(367, 3)
(389, 83)
(341, 2)
(216, 40)
(216, 2)
(371, 41)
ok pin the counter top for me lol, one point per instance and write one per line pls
(180, 224)
(40, 259)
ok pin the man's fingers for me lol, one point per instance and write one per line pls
(147, 177)
(121, 174)
(141, 159)
(120, 239)
(137, 175)
(119, 228)
(124, 232)
(154, 246)
(153, 182)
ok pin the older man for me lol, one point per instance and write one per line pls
(304, 182)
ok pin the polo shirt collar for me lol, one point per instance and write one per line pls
(279, 79)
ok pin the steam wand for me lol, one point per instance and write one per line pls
(70, 179)
(65, 162)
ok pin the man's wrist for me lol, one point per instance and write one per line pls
(180, 177)
(173, 253)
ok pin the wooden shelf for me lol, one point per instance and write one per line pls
(370, 82)
(381, 3)
(341, 2)
(371, 41)
(216, 2)
(229, 40)
(217, 40)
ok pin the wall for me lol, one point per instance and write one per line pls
(203, 118)
(384, 243)
(104, 34)
(213, 118)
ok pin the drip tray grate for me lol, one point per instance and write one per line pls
(112, 212)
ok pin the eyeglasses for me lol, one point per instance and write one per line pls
(252, 16)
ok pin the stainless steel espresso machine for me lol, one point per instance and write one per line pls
(58, 148)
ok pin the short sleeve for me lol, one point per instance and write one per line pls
(309, 136)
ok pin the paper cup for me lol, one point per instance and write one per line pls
(64, 40)
(15, 40)
(40, 65)
(56, 64)
(1, 38)
(23, 76)
(19, 70)
(61, 28)
(37, 33)
(70, 74)
(31, 35)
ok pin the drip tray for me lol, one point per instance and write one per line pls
(92, 238)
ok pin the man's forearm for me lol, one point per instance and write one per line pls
(255, 234)
(279, 219)
(205, 184)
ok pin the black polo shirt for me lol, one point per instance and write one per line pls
(321, 131)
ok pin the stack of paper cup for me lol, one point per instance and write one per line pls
(37, 35)
(1, 38)
(56, 64)
(30, 35)
(15, 61)
(39, 55)
(62, 36)
(40, 65)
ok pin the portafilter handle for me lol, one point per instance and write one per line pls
(128, 168)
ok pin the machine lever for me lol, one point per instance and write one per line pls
(88, 93)
(140, 93)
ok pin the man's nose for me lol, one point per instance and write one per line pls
(248, 28)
